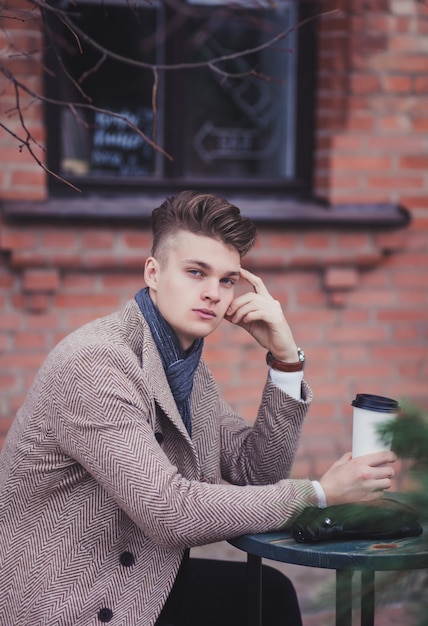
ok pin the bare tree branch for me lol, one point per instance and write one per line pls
(176, 66)
(39, 10)
(29, 139)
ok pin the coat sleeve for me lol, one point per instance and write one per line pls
(264, 453)
(99, 415)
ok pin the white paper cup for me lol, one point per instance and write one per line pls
(369, 412)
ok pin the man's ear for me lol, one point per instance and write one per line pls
(151, 270)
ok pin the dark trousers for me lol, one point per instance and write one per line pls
(214, 593)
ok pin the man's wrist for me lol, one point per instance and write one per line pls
(284, 366)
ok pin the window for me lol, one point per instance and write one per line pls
(246, 124)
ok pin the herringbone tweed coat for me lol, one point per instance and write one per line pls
(101, 489)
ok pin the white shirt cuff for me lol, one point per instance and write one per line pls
(322, 500)
(289, 382)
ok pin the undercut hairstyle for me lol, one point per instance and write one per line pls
(201, 214)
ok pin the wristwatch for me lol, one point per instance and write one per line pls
(286, 367)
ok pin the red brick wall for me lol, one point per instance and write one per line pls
(21, 46)
(357, 300)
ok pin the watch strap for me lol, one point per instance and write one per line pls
(281, 366)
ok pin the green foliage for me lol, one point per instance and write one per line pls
(410, 435)
(410, 441)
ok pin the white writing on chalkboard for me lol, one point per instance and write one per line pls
(104, 157)
(120, 140)
(117, 147)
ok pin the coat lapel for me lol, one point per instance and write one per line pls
(206, 423)
(203, 398)
(162, 394)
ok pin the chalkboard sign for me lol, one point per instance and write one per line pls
(117, 148)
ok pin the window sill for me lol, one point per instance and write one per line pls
(262, 209)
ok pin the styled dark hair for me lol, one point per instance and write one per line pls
(202, 214)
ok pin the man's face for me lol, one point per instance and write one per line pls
(194, 283)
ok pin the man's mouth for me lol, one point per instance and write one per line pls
(207, 313)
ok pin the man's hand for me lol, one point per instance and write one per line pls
(357, 480)
(263, 318)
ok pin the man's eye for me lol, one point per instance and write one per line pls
(195, 272)
(228, 281)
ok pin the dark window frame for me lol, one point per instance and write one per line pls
(289, 204)
(299, 187)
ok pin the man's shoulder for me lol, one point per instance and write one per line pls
(122, 330)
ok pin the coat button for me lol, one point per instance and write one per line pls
(105, 615)
(159, 438)
(127, 559)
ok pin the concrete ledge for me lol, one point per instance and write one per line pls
(261, 209)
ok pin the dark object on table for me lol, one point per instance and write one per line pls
(381, 519)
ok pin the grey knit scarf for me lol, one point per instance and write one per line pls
(179, 365)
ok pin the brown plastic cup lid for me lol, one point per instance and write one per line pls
(372, 402)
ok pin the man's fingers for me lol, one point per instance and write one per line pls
(386, 471)
(255, 281)
(249, 301)
(380, 458)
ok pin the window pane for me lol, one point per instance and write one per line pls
(94, 142)
(228, 125)
(243, 126)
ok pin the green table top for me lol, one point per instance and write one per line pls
(391, 554)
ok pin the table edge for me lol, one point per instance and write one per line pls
(268, 545)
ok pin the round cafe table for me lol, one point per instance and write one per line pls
(343, 556)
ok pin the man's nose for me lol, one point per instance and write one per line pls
(212, 291)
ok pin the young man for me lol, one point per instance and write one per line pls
(124, 455)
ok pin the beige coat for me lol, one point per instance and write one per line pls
(101, 488)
